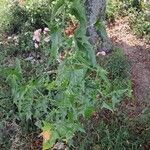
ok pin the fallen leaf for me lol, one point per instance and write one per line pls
(69, 31)
(46, 135)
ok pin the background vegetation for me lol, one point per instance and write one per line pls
(61, 91)
(137, 13)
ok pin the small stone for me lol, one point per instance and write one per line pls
(103, 53)
(59, 146)
(9, 38)
(29, 58)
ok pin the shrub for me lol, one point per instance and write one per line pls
(118, 65)
(56, 95)
(140, 23)
(14, 17)
(137, 12)
(28, 17)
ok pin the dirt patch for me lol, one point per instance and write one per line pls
(138, 54)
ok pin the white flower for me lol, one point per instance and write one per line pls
(36, 45)
(46, 30)
(37, 35)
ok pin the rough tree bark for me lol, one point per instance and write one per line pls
(95, 11)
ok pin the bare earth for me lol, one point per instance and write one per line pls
(138, 54)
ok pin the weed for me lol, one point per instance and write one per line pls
(56, 95)
(137, 12)
(119, 132)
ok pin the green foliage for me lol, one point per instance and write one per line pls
(39, 12)
(118, 70)
(137, 13)
(13, 17)
(25, 42)
(28, 16)
(18, 18)
(55, 96)
(58, 96)
(117, 65)
(111, 11)
(113, 132)
(140, 23)
(116, 8)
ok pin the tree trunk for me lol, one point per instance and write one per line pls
(95, 12)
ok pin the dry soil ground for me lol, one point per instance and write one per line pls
(138, 54)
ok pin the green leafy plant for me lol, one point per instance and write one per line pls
(29, 16)
(57, 94)
(139, 22)
(113, 132)
(137, 13)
